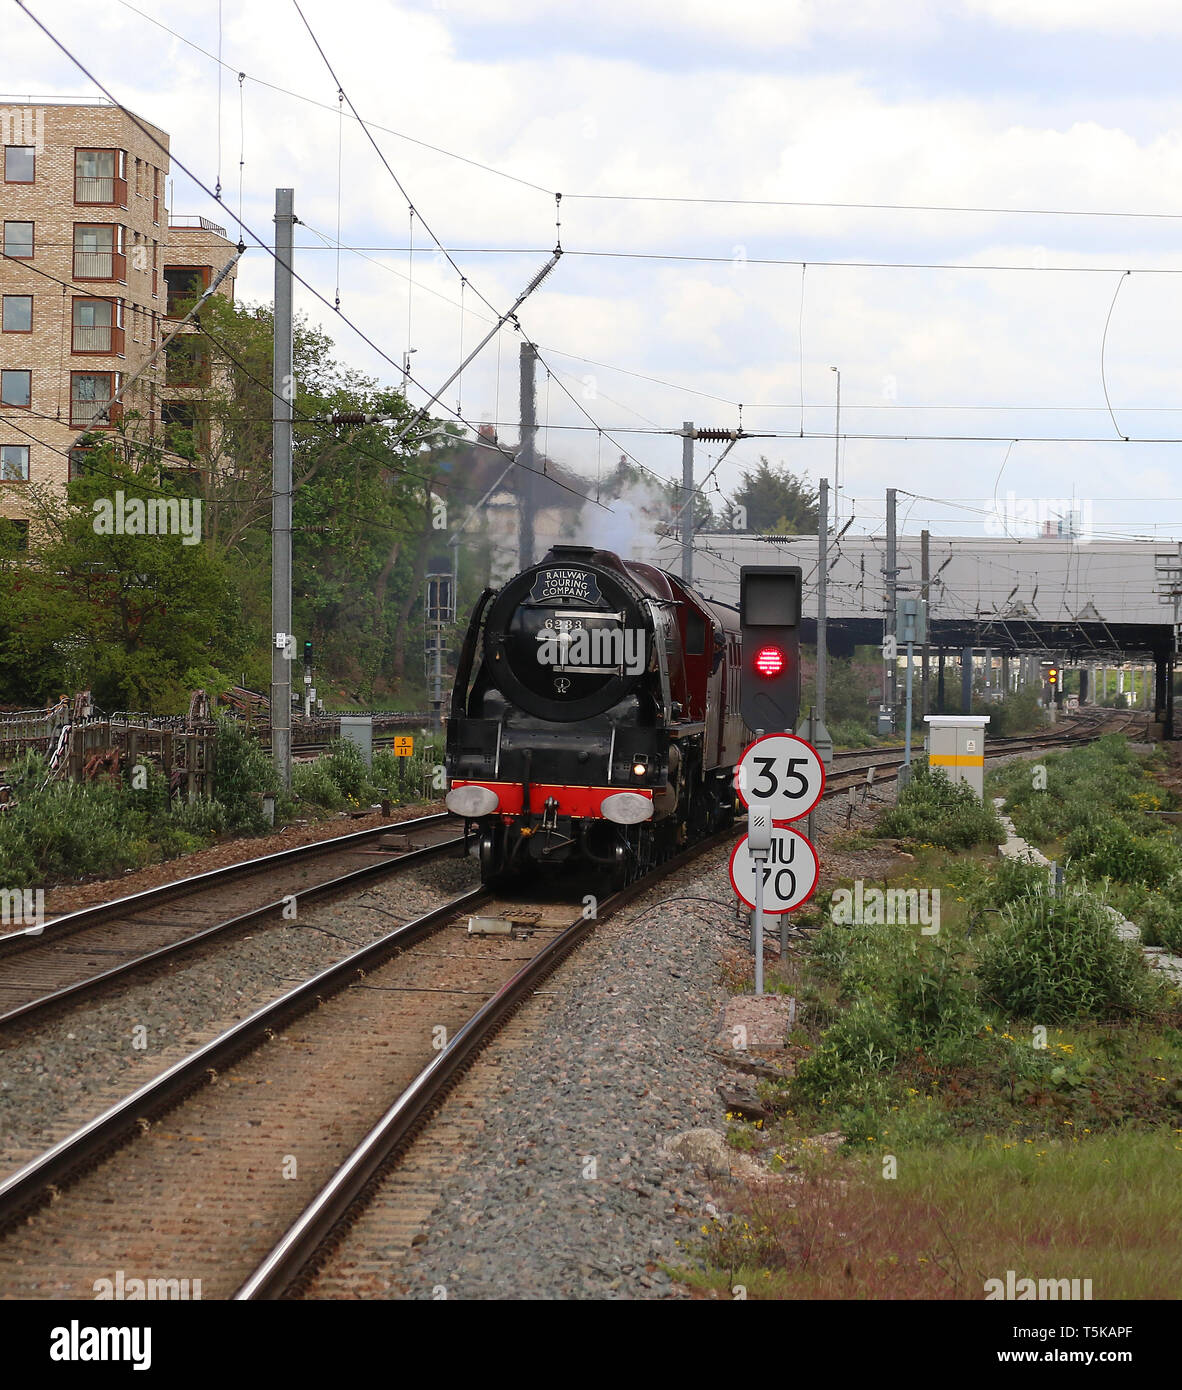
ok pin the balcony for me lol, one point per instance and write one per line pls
(92, 414)
(101, 337)
(102, 191)
(100, 265)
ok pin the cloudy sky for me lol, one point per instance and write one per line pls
(753, 193)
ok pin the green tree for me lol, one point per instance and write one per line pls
(140, 619)
(773, 501)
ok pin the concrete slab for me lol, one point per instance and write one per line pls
(755, 1022)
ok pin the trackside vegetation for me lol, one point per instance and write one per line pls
(1003, 1093)
(57, 831)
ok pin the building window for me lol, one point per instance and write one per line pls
(19, 161)
(80, 462)
(186, 362)
(100, 176)
(98, 252)
(185, 285)
(90, 393)
(16, 388)
(14, 463)
(17, 313)
(184, 431)
(18, 240)
(98, 325)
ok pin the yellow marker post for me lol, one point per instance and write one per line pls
(404, 746)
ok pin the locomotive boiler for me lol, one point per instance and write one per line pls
(595, 718)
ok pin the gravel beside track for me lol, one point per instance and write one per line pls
(609, 1065)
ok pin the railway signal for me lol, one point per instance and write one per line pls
(769, 617)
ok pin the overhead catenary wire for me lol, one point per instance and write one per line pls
(147, 131)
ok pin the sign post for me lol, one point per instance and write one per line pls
(759, 844)
(779, 779)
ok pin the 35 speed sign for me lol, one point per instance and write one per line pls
(782, 774)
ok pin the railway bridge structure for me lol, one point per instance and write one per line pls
(1002, 606)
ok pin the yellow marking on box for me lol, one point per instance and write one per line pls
(956, 759)
(404, 746)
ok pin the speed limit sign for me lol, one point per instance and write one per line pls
(782, 774)
(787, 875)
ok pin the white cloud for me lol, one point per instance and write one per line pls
(1084, 16)
(589, 117)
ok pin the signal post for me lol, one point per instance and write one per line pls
(780, 777)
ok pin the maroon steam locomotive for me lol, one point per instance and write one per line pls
(595, 718)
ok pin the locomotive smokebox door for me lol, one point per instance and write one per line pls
(769, 616)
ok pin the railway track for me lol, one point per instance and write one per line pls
(87, 950)
(246, 1154)
(250, 1153)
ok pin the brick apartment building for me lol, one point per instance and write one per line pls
(92, 267)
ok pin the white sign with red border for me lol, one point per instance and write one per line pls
(781, 773)
(790, 871)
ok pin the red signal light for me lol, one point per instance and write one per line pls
(769, 662)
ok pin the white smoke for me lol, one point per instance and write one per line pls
(639, 520)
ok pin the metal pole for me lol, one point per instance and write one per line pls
(966, 681)
(757, 920)
(891, 669)
(925, 586)
(687, 501)
(526, 459)
(907, 729)
(837, 450)
(283, 385)
(822, 598)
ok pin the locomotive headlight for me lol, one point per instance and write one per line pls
(626, 808)
(471, 801)
(639, 769)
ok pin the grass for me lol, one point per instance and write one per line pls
(1103, 1208)
(1019, 1073)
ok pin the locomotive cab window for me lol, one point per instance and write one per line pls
(695, 634)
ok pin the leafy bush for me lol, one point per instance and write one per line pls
(1108, 848)
(1018, 713)
(1160, 920)
(313, 782)
(346, 767)
(243, 774)
(934, 811)
(1053, 959)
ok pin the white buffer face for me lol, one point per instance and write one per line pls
(790, 871)
(781, 774)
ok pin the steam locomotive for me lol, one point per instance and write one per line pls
(594, 720)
